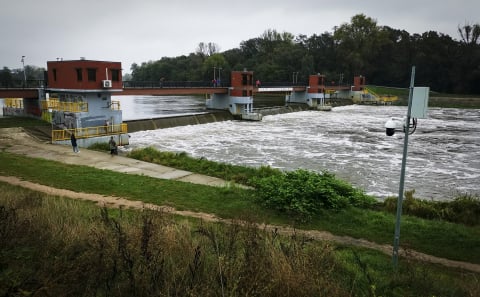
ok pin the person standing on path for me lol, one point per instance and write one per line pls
(113, 146)
(74, 143)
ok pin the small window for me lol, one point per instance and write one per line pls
(115, 75)
(79, 74)
(54, 74)
(244, 79)
(92, 74)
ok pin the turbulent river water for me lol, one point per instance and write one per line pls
(350, 141)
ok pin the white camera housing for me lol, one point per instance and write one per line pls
(392, 124)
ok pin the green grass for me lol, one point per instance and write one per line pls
(235, 173)
(8, 122)
(71, 247)
(435, 100)
(151, 190)
(400, 92)
(453, 241)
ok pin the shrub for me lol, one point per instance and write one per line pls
(464, 209)
(304, 193)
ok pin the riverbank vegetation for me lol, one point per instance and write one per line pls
(445, 239)
(52, 246)
(298, 192)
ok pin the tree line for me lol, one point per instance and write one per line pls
(382, 54)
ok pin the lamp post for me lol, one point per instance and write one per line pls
(396, 239)
(295, 77)
(24, 74)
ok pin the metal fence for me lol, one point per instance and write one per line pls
(89, 132)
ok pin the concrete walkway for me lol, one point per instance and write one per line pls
(17, 141)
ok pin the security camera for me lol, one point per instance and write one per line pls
(390, 127)
(392, 124)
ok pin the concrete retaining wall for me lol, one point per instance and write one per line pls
(184, 120)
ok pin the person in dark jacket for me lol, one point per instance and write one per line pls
(113, 146)
(74, 143)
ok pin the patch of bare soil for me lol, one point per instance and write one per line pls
(118, 202)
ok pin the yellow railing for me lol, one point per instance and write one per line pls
(51, 103)
(47, 116)
(388, 98)
(89, 132)
(14, 102)
(64, 106)
(381, 98)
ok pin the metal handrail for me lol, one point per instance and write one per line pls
(14, 102)
(54, 104)
(89, 132)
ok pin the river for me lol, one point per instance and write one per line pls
(350, 141)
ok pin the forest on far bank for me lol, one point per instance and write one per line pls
(382, 54)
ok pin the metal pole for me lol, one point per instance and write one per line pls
(24, 74)
(396, 239)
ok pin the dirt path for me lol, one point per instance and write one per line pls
(117, 202)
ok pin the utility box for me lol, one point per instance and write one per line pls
(420, 102)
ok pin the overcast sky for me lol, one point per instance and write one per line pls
(147, 30)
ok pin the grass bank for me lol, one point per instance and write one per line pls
(50, 246)
(435, 100)
(435, 237)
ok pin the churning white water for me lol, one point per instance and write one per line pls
(350, 141)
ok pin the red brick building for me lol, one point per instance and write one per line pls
(84, 75)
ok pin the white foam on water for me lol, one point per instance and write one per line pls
(350, 141)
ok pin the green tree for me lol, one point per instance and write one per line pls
(467, 65)
(215, 63)
(469, 34)
(322, 50)
(6, 78)
(434, 59)
(358, 44)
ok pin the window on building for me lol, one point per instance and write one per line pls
(92, 74)
(115, 75)
(54, 74)
(79, 74)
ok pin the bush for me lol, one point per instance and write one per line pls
(303, 193)
(464, 209)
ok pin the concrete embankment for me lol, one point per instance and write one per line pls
(281, 109)
(183, 120)
(209, 117)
